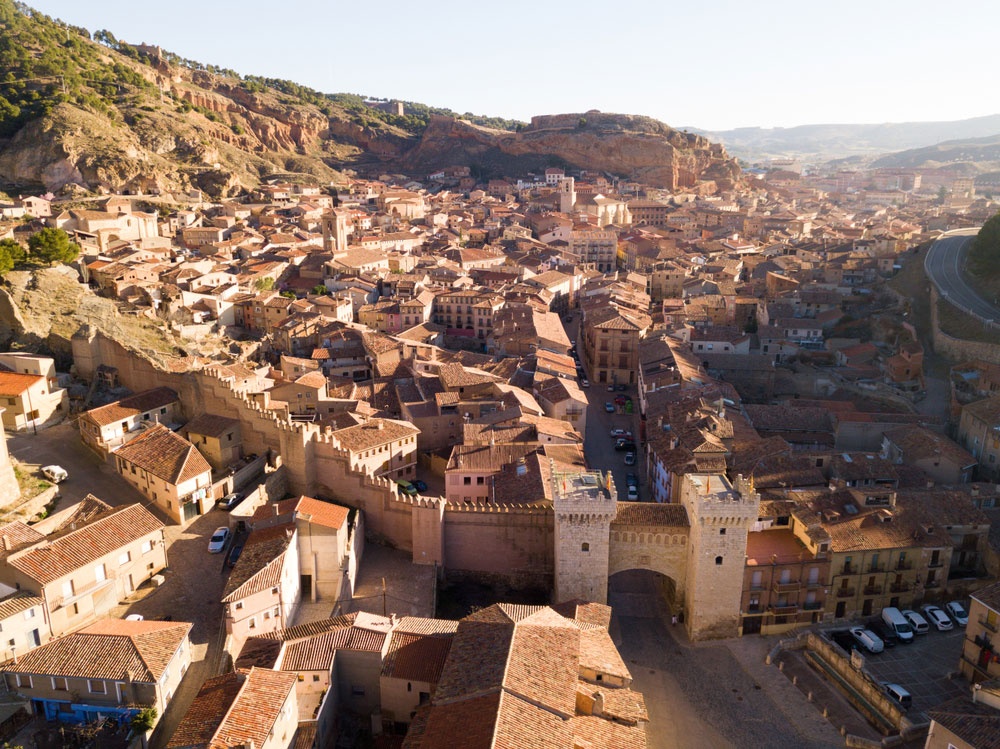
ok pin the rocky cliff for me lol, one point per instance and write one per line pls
(630, 146)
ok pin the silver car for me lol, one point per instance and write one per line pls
(868, 639)
(937, 617)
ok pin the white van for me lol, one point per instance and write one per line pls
(898, 693)
(897, 623)
(55, 474)
(916, 621)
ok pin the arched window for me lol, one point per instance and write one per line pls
(718, 560)
(585, 547)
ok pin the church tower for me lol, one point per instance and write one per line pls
(585, 503)
(567, 194)
(334, 225)
(721, 516)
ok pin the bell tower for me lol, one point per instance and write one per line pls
(567, 194)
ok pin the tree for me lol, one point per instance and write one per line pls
(144, 720)
(264, 284)
(53, 246)
(320, 290)
(11, 255)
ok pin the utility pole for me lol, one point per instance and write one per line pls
(384, 610)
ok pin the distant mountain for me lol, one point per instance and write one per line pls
(983, 153)
(826, 142)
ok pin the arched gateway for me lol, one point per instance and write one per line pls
(699, 544)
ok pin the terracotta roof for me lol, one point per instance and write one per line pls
(259, 566)
(210, 425)
(651, 513)
(235, 708)
(315, 653)
(319, 512)
(17, 602)
(974, 723)
(15, 536)
(133, 405)
(78, 548)
(416, 657)
(373, 433)
(15, 383)
(166, 455)
(108, 649)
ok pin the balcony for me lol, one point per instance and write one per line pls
(849, 570)
(902, 566)
(789, 587)
(873, 590)
(845, 592)
(994, 627)
(900, 587)
(812, 605)
(876, 568)
(783, 610)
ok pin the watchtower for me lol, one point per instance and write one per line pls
(585, 503)
(721, 515)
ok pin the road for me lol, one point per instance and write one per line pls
(713, 694)
(945, 267)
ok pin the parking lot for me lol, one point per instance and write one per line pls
(927, 667)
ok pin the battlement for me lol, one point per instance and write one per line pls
(586, 491)
(493, 509)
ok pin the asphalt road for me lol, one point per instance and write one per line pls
(945, 267)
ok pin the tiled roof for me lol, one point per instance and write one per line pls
(86, 545)
(975, 723)
(599, 653)
(234, 709)
(17, 602)
(591, 730)
(108, 649)
(210, 425)
(650, 513)
(989, 596)
(374, 433)
(260, 564)
(416, 657)
(166, 455)
(15, 536)
(14, 383)
(316, 653)
(133, 405)
(319, 512)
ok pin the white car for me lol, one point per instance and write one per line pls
(957, 612)
(916, 621)
(868, 639)
(584, 383)
(937, 617)
(217, 543)
(633, 494)
(55, 474)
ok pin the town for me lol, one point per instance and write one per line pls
(419, 457)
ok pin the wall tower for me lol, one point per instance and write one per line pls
(585, 503)
(721, 515)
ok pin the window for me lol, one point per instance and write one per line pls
(722, 531)
(239, 605)
(253, 622)
(718, 560)
(124, 558)
(315, 677)
(96, 686)
(29, 614)
(147, 546)
(100, 573)
(24, 681)
(274, 591)
(585, 546)
(466, 480)
(60, 682)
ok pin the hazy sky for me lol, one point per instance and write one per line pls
(698, 63)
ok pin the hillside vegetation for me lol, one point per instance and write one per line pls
(983, 263)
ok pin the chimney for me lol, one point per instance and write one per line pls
(6, 542)
(277, 510)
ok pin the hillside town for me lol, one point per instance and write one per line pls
(539, 386)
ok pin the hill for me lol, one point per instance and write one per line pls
(824, 142)
(982, 154)
(104, 114)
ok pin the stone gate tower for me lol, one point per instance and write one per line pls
(585, 503)
(721, 515)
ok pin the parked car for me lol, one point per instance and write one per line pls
(134, 618)
(893, 619)
(937, 617)
(919, 624)
(609, 407)
(621, 434)
(633, 494)
(217, 543)
(957, 612)
(898, 693)
(585, 383)
(622, 444)
(620, 388)
(55, 474)
(229, 501)
(867, 639)
(420, 486)
(611, 388)
(631, 479)
(406, 487)
(630, 458)
(234, 553)
(886, 635)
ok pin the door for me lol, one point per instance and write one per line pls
(190, 510)
(129, 587)
(839, 613)
(751, 625)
